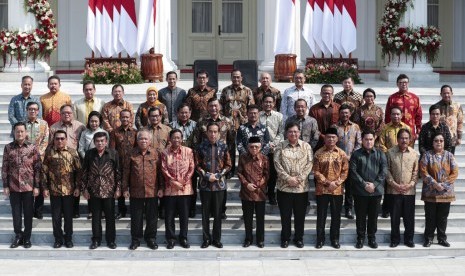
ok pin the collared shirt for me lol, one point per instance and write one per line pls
(274, 125)
(123, 141)
(51, 104)
(212, 159)
(73, 131)
(198, 101)
(293, 161)
(61, 171)
(86, 142)
(260, 91)
(38, 133)
(328, 166)
(140, 175)
(187, 130)
(367, 166)
(234, 101)
(17, 111)
(83, 107)
(349, 137)
(246, 131)
(177, 165)
(388, 137)
(227, 132)
(402, 169)
(142, 114)
(308, 129)
(353, 99)
(370, 118)
(21, 167)
(428, 131)
(101, 175)
(291, 95)
(438, 168)
(410, 105)
(160, 136)
(325, 117)
(452, 115)
(110, 114)
(253, 170)
(172, 99)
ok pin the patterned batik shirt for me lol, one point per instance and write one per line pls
(410, 105)
(123, 141)
(246, 131)
(177, 165)
(274, 124)
(111, 112)
(260, 91)
(227, 133)
(38, 133)
(212, 159)
(198, 101)
(308, 129)
(353, 99)
(452, 115)
(21, 167)
(142, 114)
(330, 165)
(234, 101)
(187, 130)
(61, 171)
(349, 137)
(370, 118)
(51, 104)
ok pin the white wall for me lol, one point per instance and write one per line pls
(458, 53)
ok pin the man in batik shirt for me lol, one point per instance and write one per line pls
(349, 96)
(452, 115)
(53, 101)
(264, 89)
(112, 109)
(198, 96)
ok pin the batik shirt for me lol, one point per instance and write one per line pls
(452, 115)
(38, 133)
(198, 101)
(51, 104)
(259, 92)
(21, 167)
(61, 171)
(111, 112)
(410, 105)
(234, 101)
(246, 131)
(212, 158)
(187, 130)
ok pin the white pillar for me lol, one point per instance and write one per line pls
(163, 35)
(421, 71)
(267, 36)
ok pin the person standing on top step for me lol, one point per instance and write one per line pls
(17, 109)
(291, 94)
(349, 97)
(172, 96)
(53, 101)
(452, 115)
(198, 96)
(111, 110)
(84, 106)
(266, 88)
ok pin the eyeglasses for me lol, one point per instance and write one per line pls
(32, 109)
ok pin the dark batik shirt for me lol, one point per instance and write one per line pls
(140, 176)
(198, 101)
(123, 141)
(246, 131)
(212, 159)
(21, 167)
(234, 101)
(61, 171)
(427, 134)
(253, 170)
(259, 92)
(187, 130)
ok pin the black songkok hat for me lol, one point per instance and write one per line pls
(331, 130)
(254, 139)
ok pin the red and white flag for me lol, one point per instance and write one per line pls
(285, 27)
(146, 24)
(327, 31)
(337, 27)
(127, 32)
(107, 29)
(91, 14)
(349, 21)
(117, 47)
(307, 28)
(318, 25)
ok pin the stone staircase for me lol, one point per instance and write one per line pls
(233, 227)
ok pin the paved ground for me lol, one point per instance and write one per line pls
(413, 266)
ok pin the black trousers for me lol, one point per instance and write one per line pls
(387, 202)
(62, 205)
(348, 198)
(248, 208)
(436, 219)
(403, 206)
(76, 210)
(39, 203)
(211, 202)
(122, 209)
(272, 179)
(193, 201)
(139, 206)
(335, 204)
(22, 203)
(452, 150)
(292, 203)
(179, 205)
(366, 206)
(107, 205)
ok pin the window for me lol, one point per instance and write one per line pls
(433, 13)
(3, 14)
(232, 16)
(201, 16)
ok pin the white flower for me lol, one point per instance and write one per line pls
(12, 45)
(12, 52)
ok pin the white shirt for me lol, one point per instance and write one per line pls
(290, 96)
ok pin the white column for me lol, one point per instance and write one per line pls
(267, 8)
(458, 55)
(421, 71)
(163, 34)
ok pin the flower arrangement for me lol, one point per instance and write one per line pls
(112, 72)
(39, 43)
(327, 72)
(415, 42)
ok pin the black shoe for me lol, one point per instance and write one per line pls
(372, 244)
(57, 244)
(273, 201)
(284, 244)
(69, 244)
(89, 216)
(359, 244)
(335, 244)
(134, 244)
(38, 215)
(94, 245)
(393, 244)
(299, 244)
(409, 244)
(260, 244)
(118, 216)
(205, 244)
(427, 243)
(319, 245)
(349, 214)
(192, 214)
(217, 244)
(27, 244)
(77, 215)
(385, 215)
(152, 244)
(111, 245)
(16, 242)
(224, 216)
(184, 243)
(246, 243)
(170, 244)
(443, 243)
